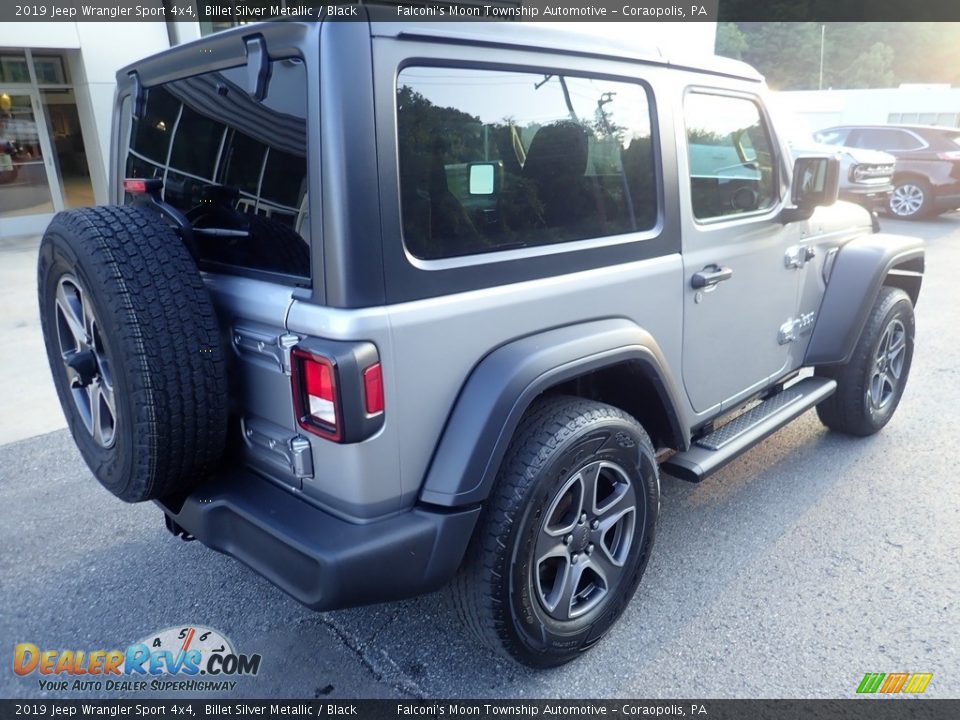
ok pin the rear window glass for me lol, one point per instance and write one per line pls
(232, 163)
(494, 160)
(884, 139)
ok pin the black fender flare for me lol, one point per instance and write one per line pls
(854, 278)
(501, 387)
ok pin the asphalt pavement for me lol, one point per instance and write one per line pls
(801, 566)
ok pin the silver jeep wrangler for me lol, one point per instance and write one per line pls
(384, 306)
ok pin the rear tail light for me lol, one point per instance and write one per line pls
(142, 186)
(949, 155)
(373, 389)
(338, 389)
(316, 395)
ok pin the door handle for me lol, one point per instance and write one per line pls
(710, 276)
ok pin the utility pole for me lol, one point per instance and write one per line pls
(823, 29)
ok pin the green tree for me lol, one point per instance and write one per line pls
(872, 68)
(731, 42)
(864, 54)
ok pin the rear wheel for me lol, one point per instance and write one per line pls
(133, 343)
(566, 536)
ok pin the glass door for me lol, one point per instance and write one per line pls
(25, 157)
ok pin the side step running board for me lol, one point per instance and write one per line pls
(711, 452)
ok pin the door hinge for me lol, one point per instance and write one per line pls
(277, 447)
(788, 332)
(798, 255)
(795, 327)
(266, 345)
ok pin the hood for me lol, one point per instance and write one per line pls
(864, 156)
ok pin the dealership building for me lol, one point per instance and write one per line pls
(56, 101)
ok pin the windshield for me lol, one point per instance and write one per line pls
(831, 137)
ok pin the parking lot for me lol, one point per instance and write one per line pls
(803, 565)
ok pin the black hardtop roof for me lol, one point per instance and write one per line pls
(514, 35)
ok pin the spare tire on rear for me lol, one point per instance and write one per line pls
(134, 346)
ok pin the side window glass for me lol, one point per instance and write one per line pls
(732, 161)
(908, 141)
(885, 139)
(494, 160)
(233, 164)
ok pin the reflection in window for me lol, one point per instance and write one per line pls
(732, 168)
(197, 143)
(234, 164)
(493, 160)
(243, 161)
(152, 134)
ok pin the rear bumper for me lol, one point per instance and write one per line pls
(324, 562)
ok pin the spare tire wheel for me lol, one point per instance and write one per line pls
(134, 346)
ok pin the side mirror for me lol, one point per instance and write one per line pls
(483, 178)
(816, 183)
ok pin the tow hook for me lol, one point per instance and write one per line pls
(176, 530)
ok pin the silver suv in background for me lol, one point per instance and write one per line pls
(927, 177)
(866, 176)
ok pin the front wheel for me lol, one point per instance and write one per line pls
(566, 535)
(911, 199)
(870, 385)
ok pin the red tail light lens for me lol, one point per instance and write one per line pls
(136, 187)
(315, 389)
(949, 155)
(373, 389)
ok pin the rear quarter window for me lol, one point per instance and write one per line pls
(494, 160)
(887, 139)
(232, 163)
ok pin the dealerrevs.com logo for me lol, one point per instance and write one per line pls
(187, 658)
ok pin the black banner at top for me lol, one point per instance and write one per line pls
(471, 10)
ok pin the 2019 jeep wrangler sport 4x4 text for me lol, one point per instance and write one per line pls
(381, 306)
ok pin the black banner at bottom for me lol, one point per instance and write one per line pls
(854, 709)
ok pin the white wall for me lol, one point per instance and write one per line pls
(39, 35)
(823, 108)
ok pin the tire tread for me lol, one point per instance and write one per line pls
(475, 589)
(165, 324)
